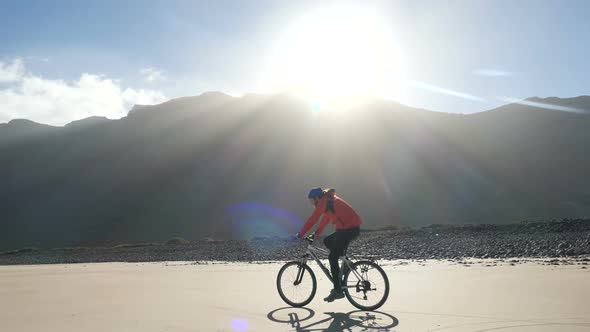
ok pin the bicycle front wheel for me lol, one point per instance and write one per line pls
(366, 286)
(296, 284)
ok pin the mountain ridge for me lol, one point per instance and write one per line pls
(221, 97)
(231, 167)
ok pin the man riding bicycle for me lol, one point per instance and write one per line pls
(347, 223)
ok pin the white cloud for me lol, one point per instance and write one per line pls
(58, 102)
(493, 73)
(11, 72)
(142, 97)
(152, 74)
(33, 58)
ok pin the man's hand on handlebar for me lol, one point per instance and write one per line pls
(308, 238)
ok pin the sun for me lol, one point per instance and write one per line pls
(337, 55)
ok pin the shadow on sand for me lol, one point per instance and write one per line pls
(357, 320)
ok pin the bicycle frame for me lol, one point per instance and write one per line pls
(313, 252)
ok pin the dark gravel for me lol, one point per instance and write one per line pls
(565, 238)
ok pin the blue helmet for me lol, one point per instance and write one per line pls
(315, 193)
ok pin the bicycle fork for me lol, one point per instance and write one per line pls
(299, 275)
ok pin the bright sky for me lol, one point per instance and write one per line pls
(66, 60)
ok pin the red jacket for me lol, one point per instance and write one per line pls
(342, 215)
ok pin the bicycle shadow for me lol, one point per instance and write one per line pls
(357, 320)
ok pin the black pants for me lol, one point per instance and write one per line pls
(337, 242)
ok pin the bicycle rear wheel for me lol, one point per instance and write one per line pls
(296, 284)
(368, 288)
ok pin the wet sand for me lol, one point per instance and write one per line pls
(183, 296)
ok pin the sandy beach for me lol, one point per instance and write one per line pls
(184, 296)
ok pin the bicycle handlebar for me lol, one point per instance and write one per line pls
(309, 239)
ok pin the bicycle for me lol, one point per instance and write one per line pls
(356, 282)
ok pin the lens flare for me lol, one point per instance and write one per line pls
(249, 220)
(437, 89)
(544, 105)
(239, 325)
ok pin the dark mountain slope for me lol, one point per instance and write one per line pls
(215, 165)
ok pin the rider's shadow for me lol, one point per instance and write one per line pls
(298, 319)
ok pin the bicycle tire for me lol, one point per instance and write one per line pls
(352, 300)
(313, 284)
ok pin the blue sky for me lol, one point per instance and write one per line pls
(463, 56)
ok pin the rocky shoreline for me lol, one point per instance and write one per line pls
(555, 239)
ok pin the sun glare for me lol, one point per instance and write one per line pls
(337, 55)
